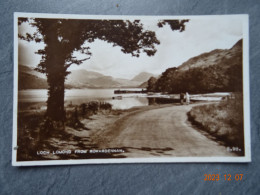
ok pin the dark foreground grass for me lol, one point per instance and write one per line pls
(223, 120)
(33, 134)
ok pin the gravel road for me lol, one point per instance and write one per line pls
(160, 131)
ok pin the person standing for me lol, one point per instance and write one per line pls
(187, 98)
(181, 98)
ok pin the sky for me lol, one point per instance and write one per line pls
(201, 35)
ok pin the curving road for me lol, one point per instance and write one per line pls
(161, 131)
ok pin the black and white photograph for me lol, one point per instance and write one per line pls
(130, 89)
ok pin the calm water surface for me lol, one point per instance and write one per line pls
(78, 96)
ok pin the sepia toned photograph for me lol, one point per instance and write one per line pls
(130, 89)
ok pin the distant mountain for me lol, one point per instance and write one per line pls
(144, 85)
(83, 78)
(127, 83)
(30, 70)
(143, 77)
(105, 81)
(28, 78)
(31, 79)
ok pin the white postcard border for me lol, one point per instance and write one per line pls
(246, 97)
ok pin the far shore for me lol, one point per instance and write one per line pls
(40, 104)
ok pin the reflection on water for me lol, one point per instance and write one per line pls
(79, 96)
(158, 100)
(32, 95)
(127, 103)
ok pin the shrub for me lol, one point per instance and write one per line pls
(223, 120)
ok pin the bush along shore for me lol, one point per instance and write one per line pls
(223, 121)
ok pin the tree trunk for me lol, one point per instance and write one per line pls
(55, 114)
(55, 102)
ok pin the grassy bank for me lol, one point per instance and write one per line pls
(222, 120)
(34, 135)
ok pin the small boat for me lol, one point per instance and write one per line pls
(117, 98)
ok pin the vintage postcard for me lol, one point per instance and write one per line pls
(130, 89)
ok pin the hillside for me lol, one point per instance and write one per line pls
(31, 71)
(127, 83)
(218, 70)
(142, 77)
(144, 85)
(83, 78)
(217, 56)
(28, 78)
(29, 81)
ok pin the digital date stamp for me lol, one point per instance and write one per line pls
(226, 177)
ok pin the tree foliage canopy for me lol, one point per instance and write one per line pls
(216, 78)
(69, 35)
